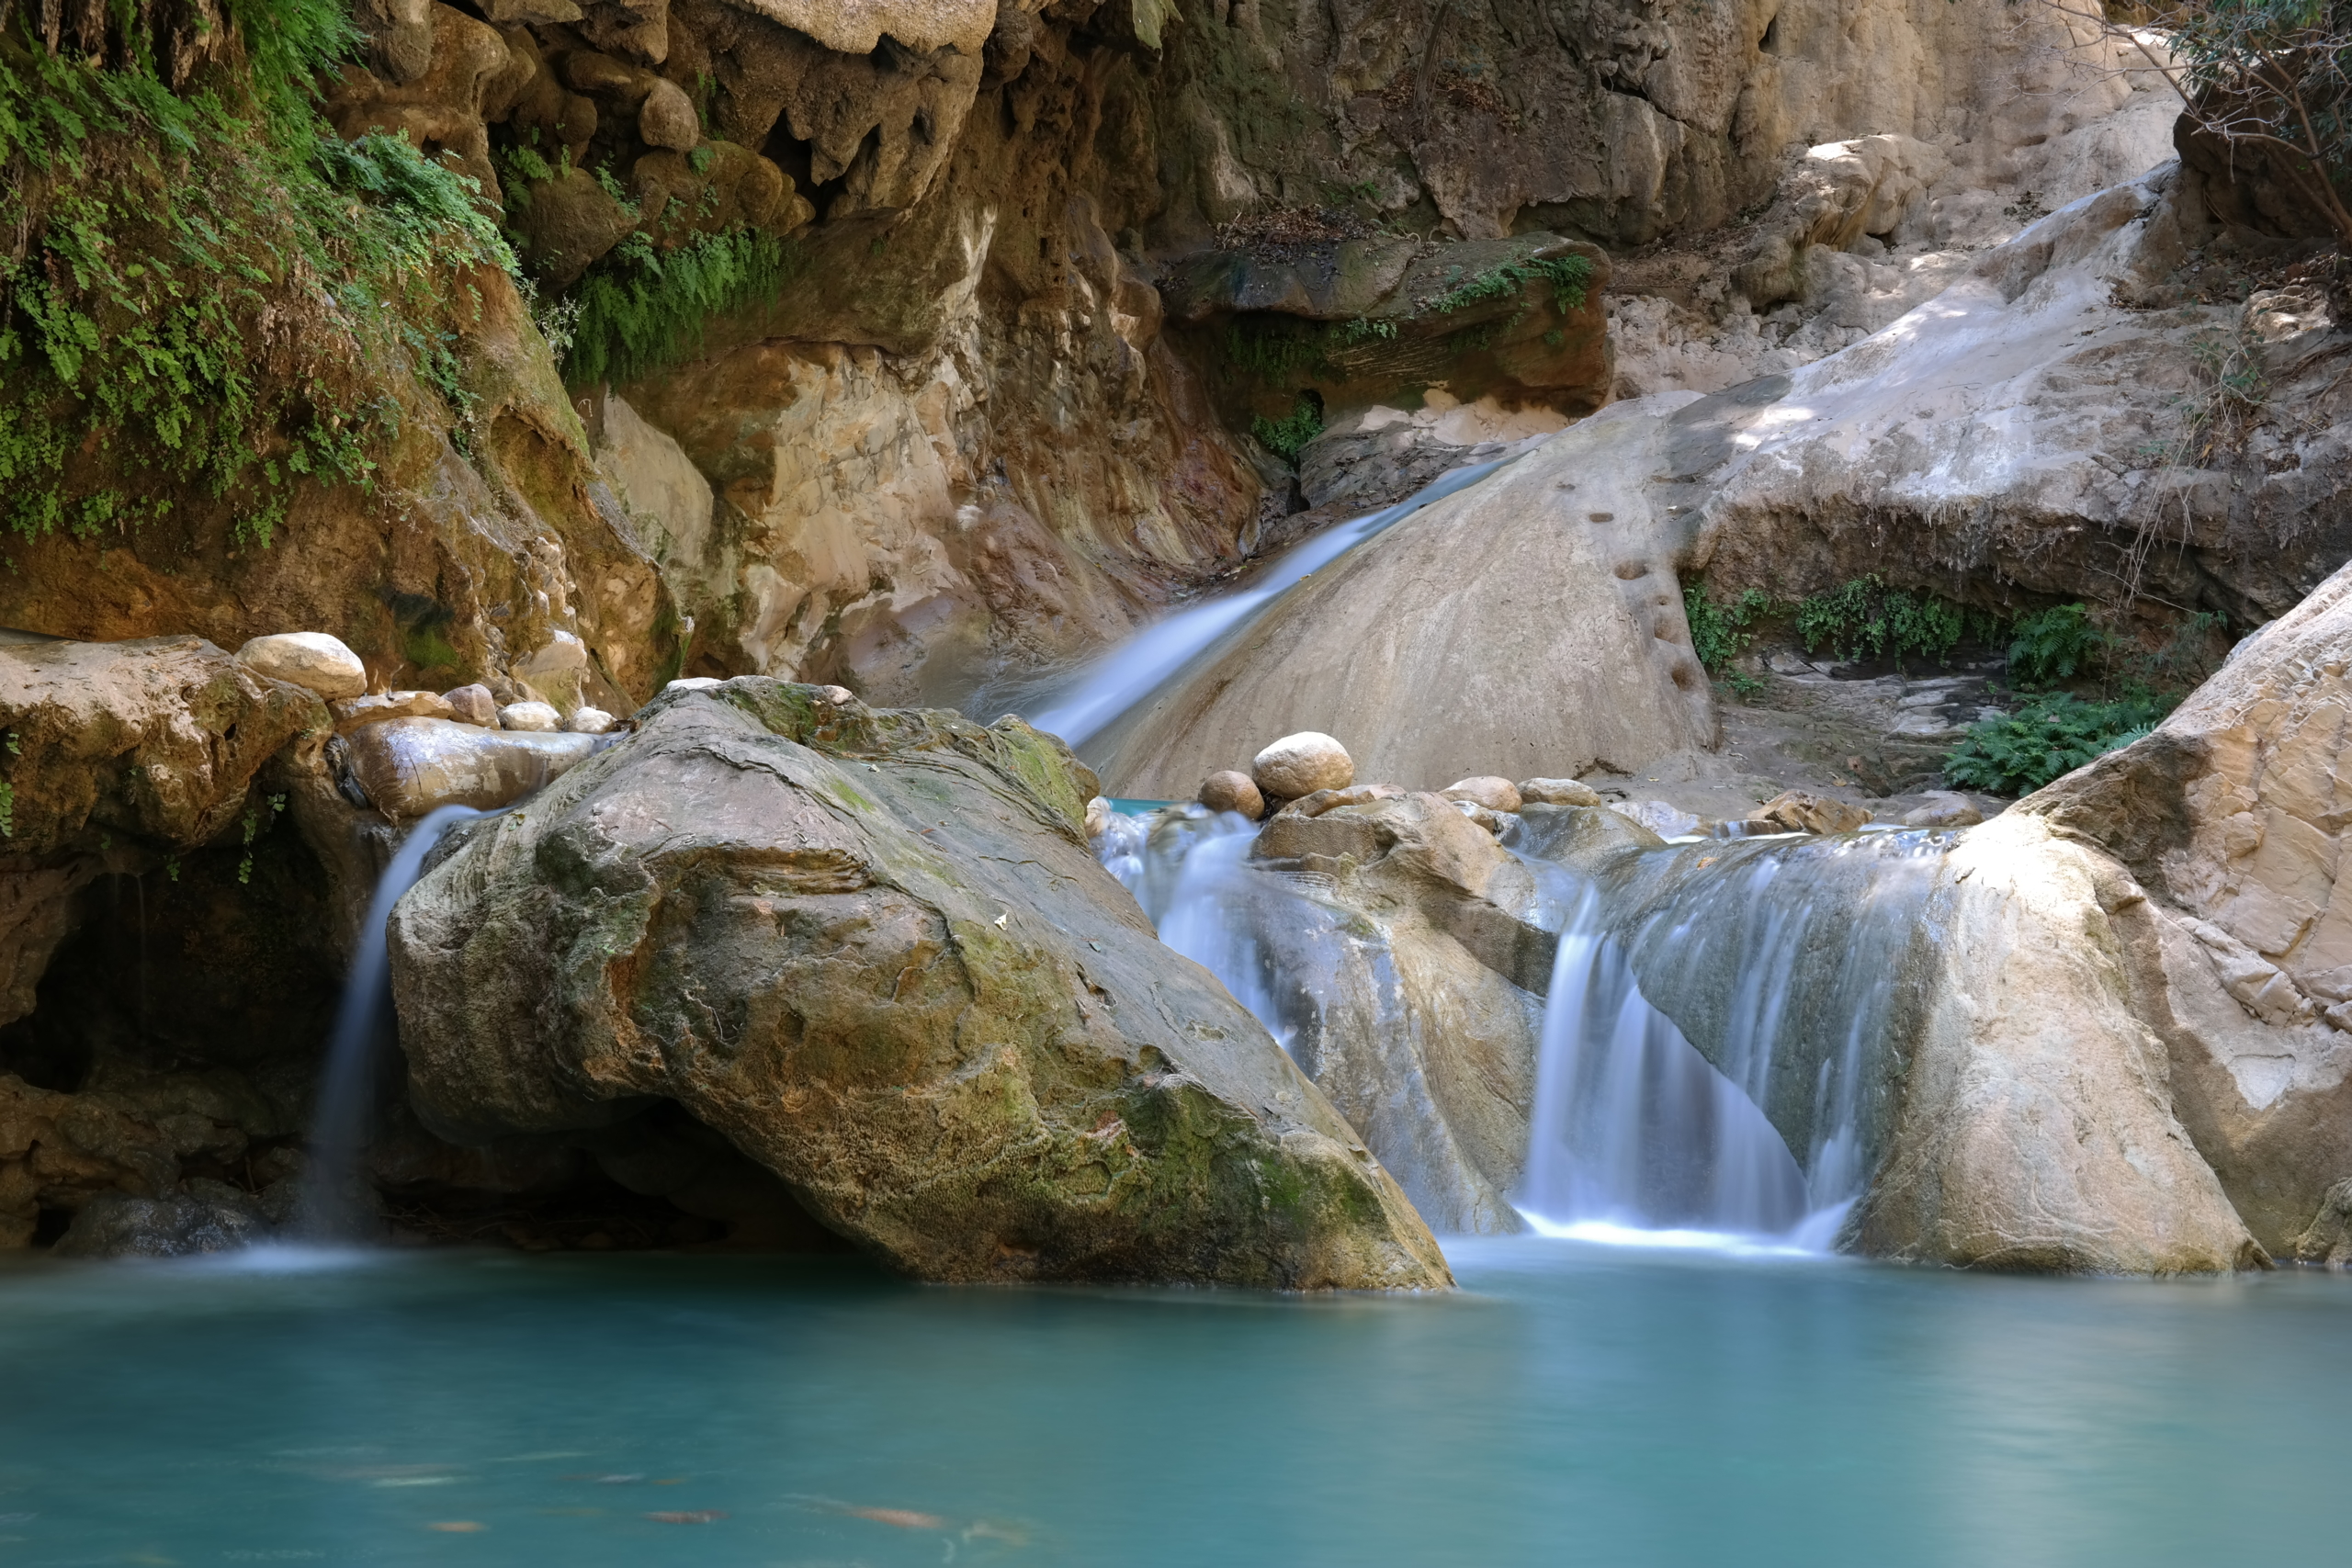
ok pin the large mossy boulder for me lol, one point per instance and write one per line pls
(871, 948)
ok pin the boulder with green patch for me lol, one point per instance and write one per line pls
(872, 949)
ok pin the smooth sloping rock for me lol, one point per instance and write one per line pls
(408, 766)
(871, 948)
(1531, 623)
(307, 659)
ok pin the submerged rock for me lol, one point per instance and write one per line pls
(211, 1216)
(872, 950)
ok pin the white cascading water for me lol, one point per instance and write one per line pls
(1790, 952)
(1632, 1128)
(1131, 672)
(1791, 948)
(330, 1207)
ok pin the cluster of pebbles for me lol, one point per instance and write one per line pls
(1309, 774)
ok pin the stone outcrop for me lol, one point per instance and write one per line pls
(871, 948)
(1411, 991)
(119, 755)
(1533, 621)
(2039, 428)
(2224, 829)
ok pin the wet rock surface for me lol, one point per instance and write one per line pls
(872, 951)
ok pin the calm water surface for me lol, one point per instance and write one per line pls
(1574, 1403)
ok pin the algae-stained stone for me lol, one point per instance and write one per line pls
(871, 948)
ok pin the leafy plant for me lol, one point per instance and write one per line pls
(1719, 633)
(2053, 645)
(1867, 617)
(208, 291)
(2048, 736)
(1283, 437)
(641, 308)
(1571, 277)
(2263, 76)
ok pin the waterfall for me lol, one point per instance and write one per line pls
(1787, 958)
(330, 1205)
(1633, 1129)
(1139, 665)
(1714, 1057)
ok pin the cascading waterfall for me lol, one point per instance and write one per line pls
(1190, 875)
(1105, 692)
(1784, 956)
(1632, 1127)
(329, 1206)
(1787, 957)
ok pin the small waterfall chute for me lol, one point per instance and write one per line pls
(331, 1207)
(1787, 957)
(1140, 666)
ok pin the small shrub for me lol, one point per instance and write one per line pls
(2054, 645)
(1571, 277)
(1719, 633)
(2048, 736)
(1867, 617)
(1283, 437)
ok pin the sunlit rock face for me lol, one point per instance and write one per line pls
(873, 951)
(2225, 827)
(1532, 625)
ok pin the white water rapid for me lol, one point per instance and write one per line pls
(1785, 956)
(330, 1208)
(1119, 680)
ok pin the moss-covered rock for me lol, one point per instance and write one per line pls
(871, 948)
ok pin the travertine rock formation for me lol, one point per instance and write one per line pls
(872, 950)
(1533, 622)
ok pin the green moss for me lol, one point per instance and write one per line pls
(211, 292)
(1283, 437)
(1570, 277)
(642, 310)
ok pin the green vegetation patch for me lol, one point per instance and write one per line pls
(2048, 736)
(207, 290)
(1866, 617)
(1285, 436)
(641, 310)
(1570, 277)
